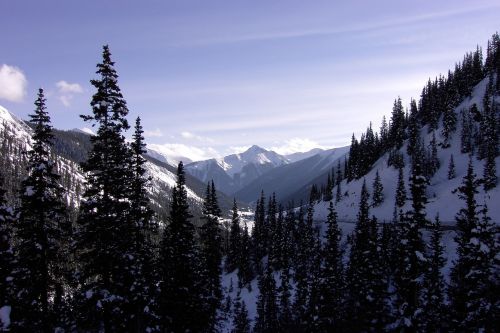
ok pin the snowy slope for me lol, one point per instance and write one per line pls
(440, 194)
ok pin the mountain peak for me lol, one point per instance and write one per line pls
(255, 149)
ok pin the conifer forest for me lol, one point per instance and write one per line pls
(92, 241)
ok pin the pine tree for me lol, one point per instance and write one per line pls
(105, 228)
(397, 124)
(234, 254)
(433, 306)
(378, 191)
(451, 168)
(338, 196)
(285, 307)
(211, 253)
(259, 231)
(413, 128)
(144, 232)
(401, 189)
(490, 141)
(331, 307)
(42, 235)
(410, 254)
(473, 282)
(181, 296)
(365, 303)
(330, 182)
(244, 264)
(267, 309)
(434, 160)
(241, 322)
(449, 123)
(7, 259)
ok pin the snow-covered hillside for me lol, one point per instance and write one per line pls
(440, 194)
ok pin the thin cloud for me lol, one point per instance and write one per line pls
(297, 145)
(13, 83)
(179, 150)
(156, 133)
(66, 91)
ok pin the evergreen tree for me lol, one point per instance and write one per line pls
(233, 257)
(365, 303)
(338, 196)
(467, 132)
(285, 307)
(490, 141)
(413, 128)
(241, 322)
(397, 124)
(181, 295)
(400, 190)
(211, 253)
(434, 160)
(473, 280)
(449, 123)
(330, 182)
(259, 231)
(378, 191)
(331, 310)
(267, 309)
(433, 306)
(451, 168)
(105, 228)
(410, 254)
(244, 263)
(144, 232)
(42, 236)
(7, 259)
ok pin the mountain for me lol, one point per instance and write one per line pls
(288, 179)
(235, 171)
(167, 155)
(71, 148)
(295, 157)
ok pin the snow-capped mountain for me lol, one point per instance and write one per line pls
(234, 171)
(290, 178)
(71, 148)
(167, 155)
(295, 157)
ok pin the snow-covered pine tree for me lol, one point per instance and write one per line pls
(105, 229)
(451, 168)
(365, 303)
(434, 314)
(241, 322)
(267, 307)
(490, 142)
(400, 189)
(234, 253)
(285, 316)
(211, 254)
(43, 231)
(413, 128)
(181, 297)
(145, 230)
(338, 195)
(410, 252)
(259, 232)
(331, 305)
(449, 121)
(473, 282)
(433, 160)
(397, 124)
(378, 191)
(7, 259)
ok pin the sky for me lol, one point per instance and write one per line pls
(210, 78)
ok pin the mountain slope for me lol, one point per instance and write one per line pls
(290, 178)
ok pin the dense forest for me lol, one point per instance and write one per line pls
(108, 263)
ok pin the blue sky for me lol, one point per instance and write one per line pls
(212, 77)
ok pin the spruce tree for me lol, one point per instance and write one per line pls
(144, 230)
(211, 253)
(433, 306)
(284, 298)
(365, 303)
(105, 228)
(234, 253)
(181, 298)
(338, 196)
(42, 235)
(400, 189)
(267, 308)
(244, 265)
(473, 280)
(7, 259)
(378, 191)
(331, 307)
(451, 168)
(241, 322)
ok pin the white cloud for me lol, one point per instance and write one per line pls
(12, 83)
(296, 145)
(66, 91)
(191, 136)
(156, 133)
(66, 87)
(238, 149)
(177, 151)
